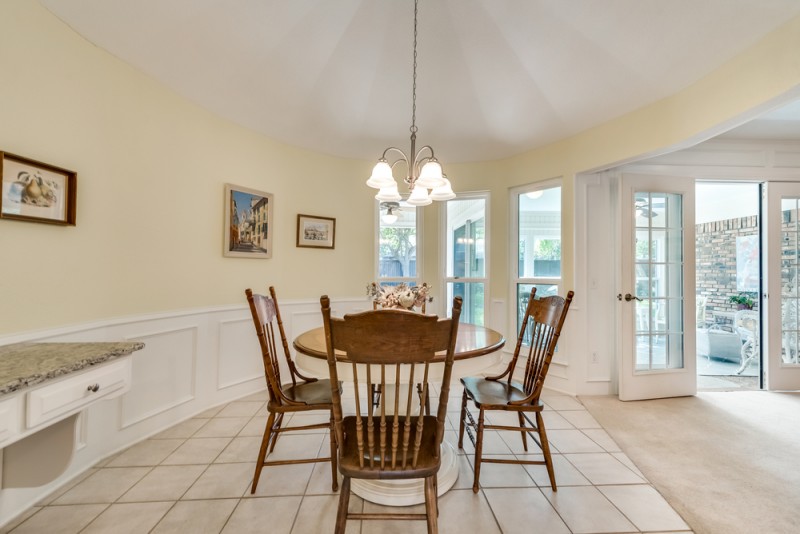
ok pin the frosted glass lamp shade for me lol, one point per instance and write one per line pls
(419, 196)
(389, 193)
(533, 195)
(389, 218)
(431, 175)
(443, 192)
(381, 176)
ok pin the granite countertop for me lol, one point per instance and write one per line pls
(26, 364)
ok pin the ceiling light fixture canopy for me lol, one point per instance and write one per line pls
(390, 217)
(424, 170)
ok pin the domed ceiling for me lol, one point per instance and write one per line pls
(495, 77)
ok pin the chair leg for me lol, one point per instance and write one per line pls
(431, 505)
(344, 502)
(262, 452)
(478, 452)
(548, 460)
(334, 457)
(524, 433)
(463, 416)
(278, 422)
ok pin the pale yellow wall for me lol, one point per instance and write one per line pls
(151, 173)
(152, 166)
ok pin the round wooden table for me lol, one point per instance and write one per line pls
(472, 341)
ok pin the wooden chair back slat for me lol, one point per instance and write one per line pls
(391, 349)
(542, 325)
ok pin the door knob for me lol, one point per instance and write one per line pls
(629, 297)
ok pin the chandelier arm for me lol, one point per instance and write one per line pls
(419, 160)
(403, 156)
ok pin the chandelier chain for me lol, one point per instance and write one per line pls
(414, 83)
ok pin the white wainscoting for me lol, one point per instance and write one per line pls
(192, 360)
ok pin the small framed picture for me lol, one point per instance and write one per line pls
(316, 232)
(37, 192)
(248, 223)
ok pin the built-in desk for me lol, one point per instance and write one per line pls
(43, 387)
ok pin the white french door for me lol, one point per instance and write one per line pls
(781, 330)
(656, 297)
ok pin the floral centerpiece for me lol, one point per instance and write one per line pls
(401, 296)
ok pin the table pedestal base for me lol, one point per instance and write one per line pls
(408, 492)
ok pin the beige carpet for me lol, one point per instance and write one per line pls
(728, 462)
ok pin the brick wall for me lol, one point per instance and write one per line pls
(716, 260)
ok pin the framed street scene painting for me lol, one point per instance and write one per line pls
(248, 223)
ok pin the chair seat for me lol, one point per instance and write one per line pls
(349, 456)
(318, 392)
(493, 392)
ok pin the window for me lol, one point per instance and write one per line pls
(466, 251)
(397, 244)
(538, 238)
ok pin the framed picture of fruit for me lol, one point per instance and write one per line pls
(36, 191)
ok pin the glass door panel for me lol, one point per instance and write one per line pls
(659, 283)
(781, 328)
(657, 242)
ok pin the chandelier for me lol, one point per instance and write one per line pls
(424, 170)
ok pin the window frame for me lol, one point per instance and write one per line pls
(394, 280)
(444, 250)
(514, 249)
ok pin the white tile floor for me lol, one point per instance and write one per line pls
(195, 478)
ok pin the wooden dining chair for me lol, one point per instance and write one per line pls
(541, 328)
(394, 349)
(376, 390)
(301, 394)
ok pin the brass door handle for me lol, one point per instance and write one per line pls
(628, 297)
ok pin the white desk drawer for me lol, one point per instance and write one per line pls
(68, 396)
(9, 419)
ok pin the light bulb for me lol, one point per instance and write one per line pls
(431, 175)
(419, 196)
(443, 192)
(389, 193)
(381, 175)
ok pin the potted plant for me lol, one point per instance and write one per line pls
(744, 300)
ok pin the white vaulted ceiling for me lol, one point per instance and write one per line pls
(496, 77)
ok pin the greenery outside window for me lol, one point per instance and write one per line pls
(398, 252)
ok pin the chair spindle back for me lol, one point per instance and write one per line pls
(393, 350)
(541, 327)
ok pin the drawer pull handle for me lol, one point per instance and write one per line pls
(94, 389)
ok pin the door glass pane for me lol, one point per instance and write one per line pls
(659, 281)
(790, 295)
